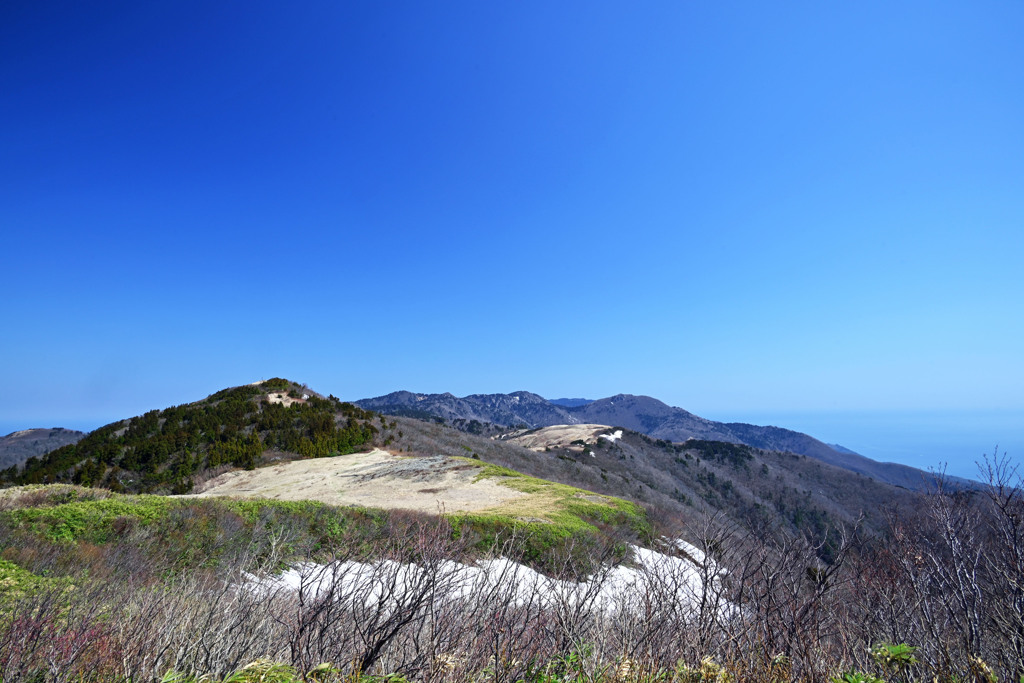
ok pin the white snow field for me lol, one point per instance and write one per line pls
(687, 582)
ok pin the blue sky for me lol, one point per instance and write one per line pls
(744, 209)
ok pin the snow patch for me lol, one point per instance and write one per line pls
(683, 580)
(691, 551)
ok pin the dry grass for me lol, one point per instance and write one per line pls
(378, 479)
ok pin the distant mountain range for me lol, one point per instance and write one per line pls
(638, 413)
(479, 413)
(631, 447)
(17, 447)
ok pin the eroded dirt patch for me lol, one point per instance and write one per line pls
(284, 399)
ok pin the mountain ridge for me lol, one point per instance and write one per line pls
(175, 449)
(639, 413)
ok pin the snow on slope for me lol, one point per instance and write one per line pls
(664, 579)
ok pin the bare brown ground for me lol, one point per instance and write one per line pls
(560, 436)
(377, 479)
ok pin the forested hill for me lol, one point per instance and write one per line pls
(164, 451)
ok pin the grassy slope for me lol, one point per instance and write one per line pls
(685, 481)
(174, 533)
(559, 523)
(58, 520)
(553, 523)
(559, 504)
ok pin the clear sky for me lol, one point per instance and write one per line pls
(743, 209)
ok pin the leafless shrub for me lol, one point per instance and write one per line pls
(1004, 560)
(57, 634)
(949, 579)
(357, 614)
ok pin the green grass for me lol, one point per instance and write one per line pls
(179, 534)
(553, 523)
(68, 514)
(559, 504)
(91, 520)
(16, 582)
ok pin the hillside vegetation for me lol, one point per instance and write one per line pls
(755, 489)
(478, 413)
(271, 422)
(163, 451)
(97, 586)
(781, 578)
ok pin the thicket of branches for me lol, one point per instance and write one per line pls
(949, 580)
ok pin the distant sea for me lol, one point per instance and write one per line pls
(926, 440)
